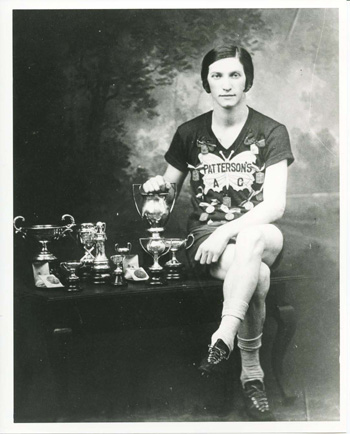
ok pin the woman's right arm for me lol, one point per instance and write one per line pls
(162, 183)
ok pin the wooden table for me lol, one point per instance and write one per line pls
(58, 315)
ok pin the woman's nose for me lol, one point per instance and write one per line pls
(226, 85)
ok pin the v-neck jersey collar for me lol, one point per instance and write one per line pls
(235, 145)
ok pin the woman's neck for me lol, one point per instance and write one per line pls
(229, 117)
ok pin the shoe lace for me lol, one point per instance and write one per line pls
(216, 355)
(258, 398)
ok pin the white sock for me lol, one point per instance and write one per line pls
(233, 313)
(251, 368)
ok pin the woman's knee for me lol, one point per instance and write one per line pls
(251, 240)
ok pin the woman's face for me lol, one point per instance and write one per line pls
(226, 79)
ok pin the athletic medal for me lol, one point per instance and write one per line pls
(254, 149)
(224, 208)
(210, 209)
(229, 216)
(248, 206)
(226, 200)
(261, 143)
(204, 149)
(203, 217)
(250, 139)
(259, 177)
(195, 175)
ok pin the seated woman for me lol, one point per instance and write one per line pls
(238, 162)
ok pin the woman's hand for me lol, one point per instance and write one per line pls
(212, 248)
(157, 183)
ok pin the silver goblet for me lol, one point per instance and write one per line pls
(118, 278)
(174, 267)
(156, 247)
(72, 280)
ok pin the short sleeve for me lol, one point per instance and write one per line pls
(278, 146)
(177, 153)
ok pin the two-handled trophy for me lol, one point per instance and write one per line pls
(174, 268)
(86, 234)
(156, 247)
(44, 234)
(155, 208)
(117, 278)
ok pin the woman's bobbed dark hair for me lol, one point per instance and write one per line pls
(223, 52)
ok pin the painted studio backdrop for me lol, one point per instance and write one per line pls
(99, 94)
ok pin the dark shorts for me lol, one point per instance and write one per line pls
(200, 234)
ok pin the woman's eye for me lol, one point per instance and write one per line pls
(235, 75)
(215, 76)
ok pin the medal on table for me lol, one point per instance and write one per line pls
(224, 208)
(229, 216)
(210, 209)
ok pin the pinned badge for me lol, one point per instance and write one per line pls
(210, 209)
(205, 145)
(203, 217)
(195, 175)
(226, 200)
(261, 143)
(248, 206)
(254, 149)
(259, 177)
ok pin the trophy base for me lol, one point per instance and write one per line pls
(72, 285)
(175, 272)
(156, 277)
(44, 257)
(84, 272)
(118, 280)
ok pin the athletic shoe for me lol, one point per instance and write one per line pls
(216, 354)
(255, 400)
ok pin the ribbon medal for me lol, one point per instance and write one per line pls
(259, 177)
(250, 139)
(205, 145)
(261, 143)
(226, 200)
(195, 175)
(254, 149)
(248, 206)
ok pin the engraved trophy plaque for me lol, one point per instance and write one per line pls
(72, 280)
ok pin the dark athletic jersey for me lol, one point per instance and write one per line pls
(226, 183)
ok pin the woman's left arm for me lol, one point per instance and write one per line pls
(268, 211)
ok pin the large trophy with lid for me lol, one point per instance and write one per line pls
(155, 208)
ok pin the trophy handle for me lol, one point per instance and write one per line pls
(191, 242)
(116, 247)
(65, 266)
(134, 197)
(143, 247)
(129, 246)
(167, 248)
(68, 227)
(17, 228)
